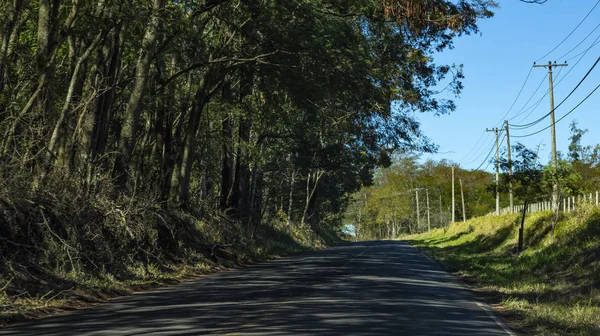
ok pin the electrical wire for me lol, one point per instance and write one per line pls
(561, 118)
(586, 50)
(562, 102)
(490, 161)
(580, 43)
(472, 148)
(558, 82)
(536, 104)
(523, 109)
(572, 31)
(486, 157)
(517, 98)
(491, 150)
(501, 119)
(532, 109)
(477, 154)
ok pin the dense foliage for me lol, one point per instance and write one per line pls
(248, 107)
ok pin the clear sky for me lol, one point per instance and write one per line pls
(496, 64)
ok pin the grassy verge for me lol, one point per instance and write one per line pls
(61, 250)
(552, 288)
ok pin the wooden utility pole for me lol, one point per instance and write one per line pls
(452, 194)
(496, 130)
(462, 196)
(510, 171)
(428, 218)
(552, 130)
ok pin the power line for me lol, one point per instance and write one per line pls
(477, 155)
(571, 68)
(580, 43)
(490, 161)
(507, 112)
(530, 98)
(487, 156)
(533, 108)
(576, 106)
(595, 43)
(518, 95)
(488, 165)
(561, 118)
(472, 148)
(572, 31)
(536, 104)
(557, 106)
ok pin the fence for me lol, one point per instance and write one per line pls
(567, 204)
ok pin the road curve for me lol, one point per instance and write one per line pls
(369, 288)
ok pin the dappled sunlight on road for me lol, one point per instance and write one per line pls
(370, 288)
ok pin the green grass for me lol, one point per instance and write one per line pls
(552, 288)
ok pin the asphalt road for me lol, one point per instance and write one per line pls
(371, 288)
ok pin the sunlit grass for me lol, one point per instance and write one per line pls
(549, 289)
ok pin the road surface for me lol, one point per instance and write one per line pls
(370, 288)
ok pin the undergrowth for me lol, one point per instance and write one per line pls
(552, 288)
(61, 248)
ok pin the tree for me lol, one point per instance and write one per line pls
(212, 105)
(389, 208)
(583, 160)
(527, 181)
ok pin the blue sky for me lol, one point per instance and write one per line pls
(496, 64)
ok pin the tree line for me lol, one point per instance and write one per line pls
(388, 208)
(254, 108)
(412, 196)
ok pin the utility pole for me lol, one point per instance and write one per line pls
(510, 172)
(428, 218)
(462, 196)
(496, 130)
(418, 214)
(452, 194)
(552, 130)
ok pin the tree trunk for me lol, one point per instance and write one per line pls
(227, 155)
(554, 221)
(173, 135)
(162, 133)
(188, 148)
(312, 182)
(522, 226)
(358, 223)
(102, 90)
(129, 127)
(256, 208)
(48, 42)
(210, 82)
(11, 15)
(241, 190)
(291, 200)
(58, 127)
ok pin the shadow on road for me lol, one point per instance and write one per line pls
(371, 288)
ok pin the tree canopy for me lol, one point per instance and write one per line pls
(234, 105)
